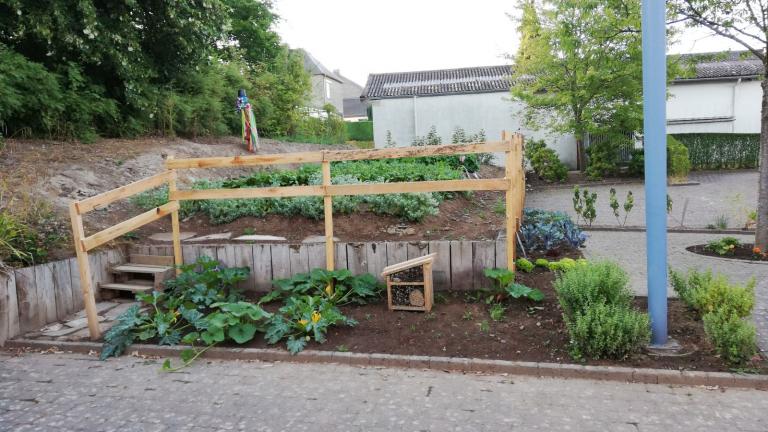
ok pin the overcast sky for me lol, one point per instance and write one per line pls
(364, 36)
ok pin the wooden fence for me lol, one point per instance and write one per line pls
(513, 184)
(32, 297)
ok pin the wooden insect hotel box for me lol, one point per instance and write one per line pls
(409, 284)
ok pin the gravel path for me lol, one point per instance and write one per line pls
(79, 393)
(720, 193)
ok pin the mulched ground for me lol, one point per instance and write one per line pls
(742, 252)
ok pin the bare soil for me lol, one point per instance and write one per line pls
(741, 252)
(530, 331)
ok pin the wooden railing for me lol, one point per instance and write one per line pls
(513, 184)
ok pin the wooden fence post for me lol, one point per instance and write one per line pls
(328, 216)
(511, 199)
(89, 300)
(178, 258)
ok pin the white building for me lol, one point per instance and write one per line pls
(722, 95)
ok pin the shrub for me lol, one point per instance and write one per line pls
(592, 283)
(723, 246)
(721, 150)
(678, 162)
(603, 159)
(360, 130)
(545, 230)
(524, 265)
(637, 163)
(545, 162)
(608, 331)
(733, 337)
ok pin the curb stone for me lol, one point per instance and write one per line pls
(452, 364)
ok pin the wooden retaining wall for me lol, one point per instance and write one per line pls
(32, 297)
(459, 265)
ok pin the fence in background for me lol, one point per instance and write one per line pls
(721, 150)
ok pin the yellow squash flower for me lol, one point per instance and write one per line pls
(316, 317)
(303, 322)
(329, 290)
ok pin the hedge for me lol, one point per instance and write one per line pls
(360, 131)
(721, 150)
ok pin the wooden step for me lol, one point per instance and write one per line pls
(140, 268)
(131, 285)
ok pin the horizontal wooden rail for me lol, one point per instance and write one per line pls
(129, 225)
(126, 191)
(262, 192)
(337, 155)
(423, 186)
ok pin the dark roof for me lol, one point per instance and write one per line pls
(721, 65)
(314, 67)
(482, 79)
(354, 107)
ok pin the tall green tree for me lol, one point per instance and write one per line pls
(579, 68)
(746, 23)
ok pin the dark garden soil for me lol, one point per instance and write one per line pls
(742, 252)
(577, 178)
(460, 326)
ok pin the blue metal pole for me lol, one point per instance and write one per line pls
(655, 143)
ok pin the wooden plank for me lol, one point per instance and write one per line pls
(95, 270)
(209, 251)
(511, 198)
(262, 267)
(77, 293)
(260, 192)
(341, 256)
(126, 191)
(62, 284)
(46, 292)
(190, 253)
(129, 225)
(415, 151)
(244, 258)
(316, 253)
(397, 252)
(298, 258)
(9, 313)
(245, 161)
(175, 230)
(419, 186)
(328, 217)
(87, 287)
(501, 253)
(441, 267)
(377, 258)
(30, 318)
(418, 261)
(158, 260)
(357, 259)
(483, 257)
(417, 249)
(461, 265)
(281, 261)
(226, 256)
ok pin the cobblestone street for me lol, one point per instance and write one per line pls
(68, 392)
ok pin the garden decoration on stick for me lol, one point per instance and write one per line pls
(250, 136)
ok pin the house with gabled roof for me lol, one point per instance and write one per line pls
(327, 87)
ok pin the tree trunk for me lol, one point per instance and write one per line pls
(581, 155)
(761, 234)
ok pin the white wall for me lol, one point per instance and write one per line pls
(407, 118)
(735, 104)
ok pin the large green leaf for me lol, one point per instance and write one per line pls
(296, 345)
(242, 333)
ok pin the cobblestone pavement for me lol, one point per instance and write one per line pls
(628, 249)
(68, 392)
(728, 193)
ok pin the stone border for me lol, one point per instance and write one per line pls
(675, 230)
(454, 364)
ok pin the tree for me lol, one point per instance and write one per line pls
(746, 23)
(578, 69)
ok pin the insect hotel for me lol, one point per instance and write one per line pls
(409, 284)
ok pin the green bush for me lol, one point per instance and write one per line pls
(608, 331)
(524, 265)
(329, 130)
(734, 338)
(360, 130)
(600, 282)
(603, 159)
(721, 150)
(723, 246)
(678, 163)
(545, 162)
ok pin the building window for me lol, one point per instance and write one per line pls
(327, 89)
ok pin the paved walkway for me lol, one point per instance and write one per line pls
(73, 393)
(724, 193)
